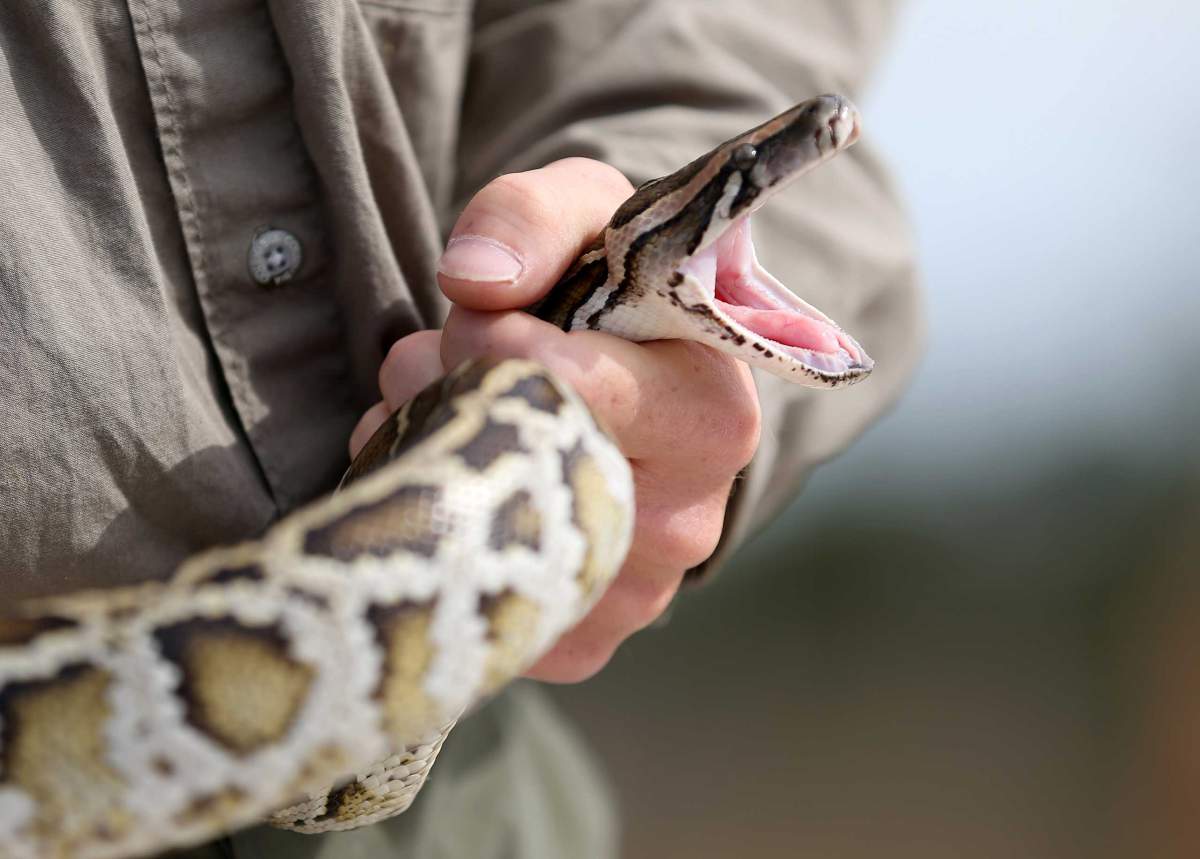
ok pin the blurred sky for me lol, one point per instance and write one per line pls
(1048, 154)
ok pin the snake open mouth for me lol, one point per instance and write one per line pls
(748, 297)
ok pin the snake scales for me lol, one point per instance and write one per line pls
(482, 521)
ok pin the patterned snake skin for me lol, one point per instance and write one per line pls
(322, 664)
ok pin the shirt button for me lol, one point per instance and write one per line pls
(275, 255)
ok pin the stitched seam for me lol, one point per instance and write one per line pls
(169, 137)
(189, 220)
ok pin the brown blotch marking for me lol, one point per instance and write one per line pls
(706, 312)
(419, 418)
(511, 620)
(239, 684)
(403, 521)
(573, 290)
(649, 193)
(163, 766)
(376, 452)
(247, 573)
(402, 631)
(319, 601)
(469, 375)
(16, 631)
(412, 423)
(539, 392)
(730, 333)
(53, 748)
(698, 219)
(215, 810)
(327, 762)
(346, 802)
(517, 523)
(596, 513)
(493, 440)
(690, 222)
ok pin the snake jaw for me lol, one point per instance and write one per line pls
(751, 314)
(783, 334)
(676, 259)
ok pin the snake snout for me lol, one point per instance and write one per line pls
(841, 119)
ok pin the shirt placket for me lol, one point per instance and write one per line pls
(250, 214)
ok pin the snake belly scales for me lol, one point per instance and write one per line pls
(318, 668)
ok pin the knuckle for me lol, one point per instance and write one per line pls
(736, 427)
(524, 195)
(683, 541)
(744, 427)
(731, 417)
(409, 365)
(599, 172)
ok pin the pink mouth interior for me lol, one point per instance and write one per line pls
(729, 267)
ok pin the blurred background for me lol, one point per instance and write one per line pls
(974, 633)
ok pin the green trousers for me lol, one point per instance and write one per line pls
(512, 782)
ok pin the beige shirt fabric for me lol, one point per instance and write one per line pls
(155, 399)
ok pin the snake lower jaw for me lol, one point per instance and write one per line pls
(787, 336)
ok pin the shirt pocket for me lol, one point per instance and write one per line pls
(424, 47)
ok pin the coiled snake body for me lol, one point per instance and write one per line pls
(481, 522)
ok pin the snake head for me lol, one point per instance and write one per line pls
(749, 312)
(677, 261)
(766, 159)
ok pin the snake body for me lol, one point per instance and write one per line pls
(317, 668)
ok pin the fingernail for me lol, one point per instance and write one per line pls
(478, 258)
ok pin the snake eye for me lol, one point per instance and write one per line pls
(745, 156)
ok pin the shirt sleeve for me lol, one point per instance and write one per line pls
(648, 86)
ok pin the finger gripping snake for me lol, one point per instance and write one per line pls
(317, 668)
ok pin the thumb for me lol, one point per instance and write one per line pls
(520, 233)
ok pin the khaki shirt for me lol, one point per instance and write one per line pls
(217, 215)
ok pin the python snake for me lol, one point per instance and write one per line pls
(322, 664)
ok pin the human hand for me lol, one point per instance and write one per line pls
(685, 416)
